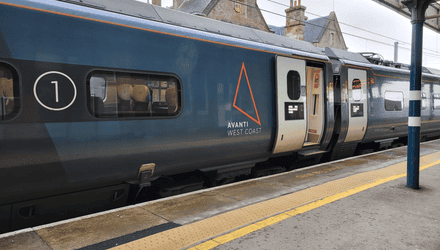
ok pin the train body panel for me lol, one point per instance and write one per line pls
(386, 105)
(389, 104)
(387, 121)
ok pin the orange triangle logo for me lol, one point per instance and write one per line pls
(243, 69)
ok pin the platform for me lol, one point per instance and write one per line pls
(355, 203)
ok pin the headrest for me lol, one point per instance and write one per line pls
(125, 92)
(6, 87)
(141, 93)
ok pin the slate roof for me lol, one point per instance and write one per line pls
(277, 30)
(174, 17)
(313, 29)
(197, 7)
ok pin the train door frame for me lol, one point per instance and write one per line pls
(291, 122)
(315, 105)
(357, 104)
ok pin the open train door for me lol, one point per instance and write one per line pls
(291, 104)
(315, 105)
(357, 99)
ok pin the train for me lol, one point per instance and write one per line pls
(102, 97)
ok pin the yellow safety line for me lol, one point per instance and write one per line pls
(178, 237)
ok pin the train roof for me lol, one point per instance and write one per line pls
(333, 53)
(367, 59)
(434, 71)
(182, 19)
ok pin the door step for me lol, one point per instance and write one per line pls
(311, 152)
(306, 144)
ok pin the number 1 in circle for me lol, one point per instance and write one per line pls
(56, 90)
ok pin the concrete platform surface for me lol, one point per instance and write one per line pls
(388, 216)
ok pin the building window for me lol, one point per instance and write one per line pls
(332, 38)
(238, 6)
(293, 85)
(9, 93)
(393, 100)
(120, 94)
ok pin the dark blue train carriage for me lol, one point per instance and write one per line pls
(372, 103)
(102, 97)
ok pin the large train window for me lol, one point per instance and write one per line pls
(9, 93)
(393, 100)
(293, 85)
(120, 94)
(436, 101)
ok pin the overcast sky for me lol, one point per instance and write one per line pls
(364, 14)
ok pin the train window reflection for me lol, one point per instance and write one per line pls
(436, 100)
(357, 94)
(293, 85)
(393, 100)
(424, 101)
(120, 94)
(356, 91)
(9, 93)
(98, 87)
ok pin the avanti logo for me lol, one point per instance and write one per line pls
(257, 120)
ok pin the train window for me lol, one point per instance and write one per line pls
(393, 100)
(424, 101)
(436, 101)
(9, 93)
(293, 85)
(356, 91)
(120, 94)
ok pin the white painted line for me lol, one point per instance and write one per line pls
(25, 230)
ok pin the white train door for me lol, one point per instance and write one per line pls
(357, 103)
(291, 104)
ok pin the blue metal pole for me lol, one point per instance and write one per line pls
(418, 9)
(414, 120)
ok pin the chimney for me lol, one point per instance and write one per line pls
(156, 2)
(295, 19)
